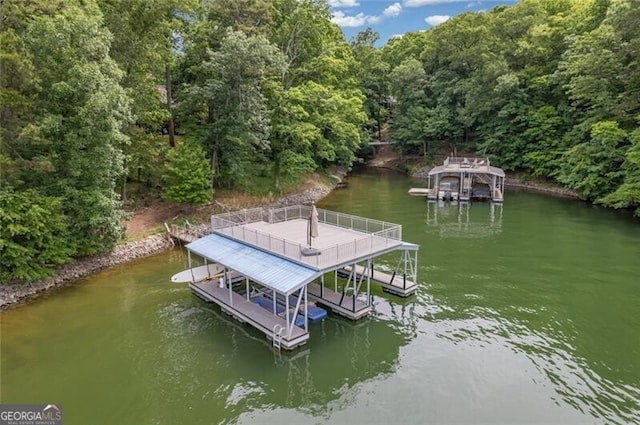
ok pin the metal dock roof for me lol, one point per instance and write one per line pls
(270, 270)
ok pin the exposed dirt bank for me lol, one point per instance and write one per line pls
(144, 222)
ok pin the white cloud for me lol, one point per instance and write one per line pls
(396, 36)
(347, 21)
(420, 3)
(434, 20)
(351, 21)
(374, 20)
(393, 10)
(343, 3)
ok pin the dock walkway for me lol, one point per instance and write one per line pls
(249, 312)
(346, 305)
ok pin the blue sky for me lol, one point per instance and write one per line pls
(392, 18)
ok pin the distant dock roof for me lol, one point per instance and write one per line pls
(467, 165)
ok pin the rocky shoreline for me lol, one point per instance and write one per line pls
(542, 188)
(14, 294)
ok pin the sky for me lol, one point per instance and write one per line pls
(392, 18)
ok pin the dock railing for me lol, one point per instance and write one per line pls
(465, 162)
(186, 232)
(374, 234)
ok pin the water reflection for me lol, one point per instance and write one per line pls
(211, 359)
(454, 220)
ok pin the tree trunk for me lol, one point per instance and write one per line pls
(167, 82)
(123, 194)
(214, 168)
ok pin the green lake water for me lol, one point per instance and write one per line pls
(527, 313)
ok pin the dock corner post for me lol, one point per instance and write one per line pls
(286, 305)
(306, 310)
(415, 267)
(369, 296)
(355, 288)
(275, 311)
(189, 257)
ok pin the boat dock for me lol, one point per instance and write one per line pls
(286, 254)
(464, 179)
(396, 284)
(245, 311)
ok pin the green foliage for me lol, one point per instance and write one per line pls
(627, 195)
(544, 87)
(227, 107)
(268, 91)
(593, 168)
(373, 74)
(80, 110)
(188, 175)
(34, 235)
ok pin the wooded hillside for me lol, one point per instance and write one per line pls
(105, 99)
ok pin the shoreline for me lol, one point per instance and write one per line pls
(13, 295)
(16, 294)
(541, 188)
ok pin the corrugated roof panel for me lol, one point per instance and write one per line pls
(275, 272)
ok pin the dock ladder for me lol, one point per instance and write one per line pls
(277, 336)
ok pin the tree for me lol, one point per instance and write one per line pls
(227, 107)
(34, 236)
(408, 82)
(147, 64)
(188, 175)
(76, 136)
(593, 168)
(373, 73)
(627, 195)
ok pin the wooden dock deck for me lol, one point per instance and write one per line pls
(187, 233)
(248, 312)
(337, 245)
(345, 306)
(394, 284)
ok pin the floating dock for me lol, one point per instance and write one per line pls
(394, 283)
(286, 253)
(464, 179)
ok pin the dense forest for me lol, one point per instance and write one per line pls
(105, 99)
